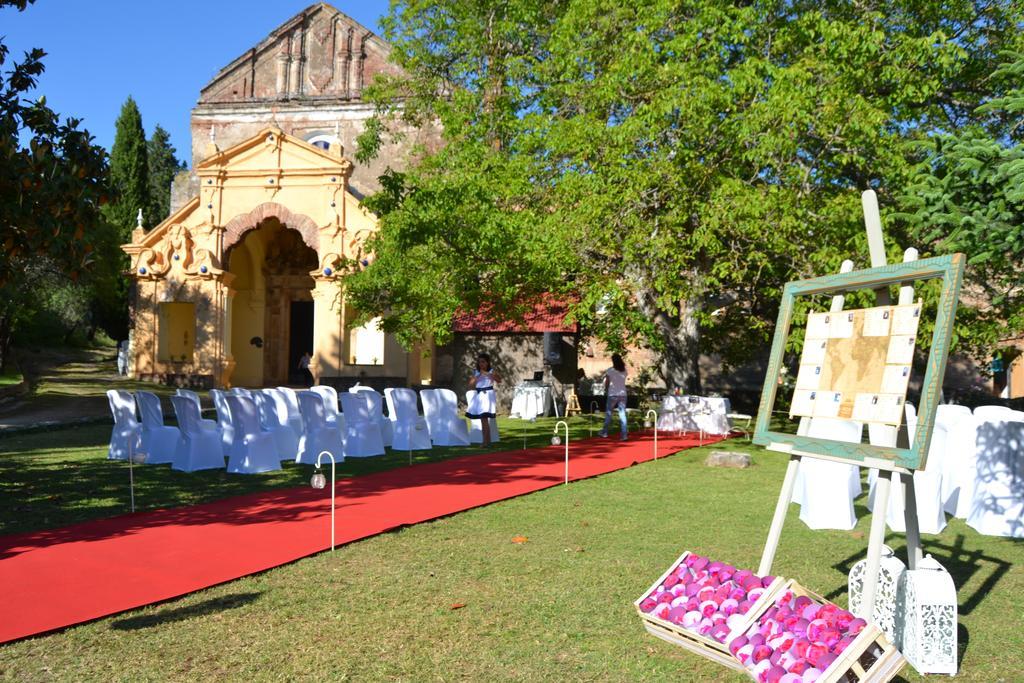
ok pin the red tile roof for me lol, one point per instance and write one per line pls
(546, 316)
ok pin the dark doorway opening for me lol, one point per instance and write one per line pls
(300, 340)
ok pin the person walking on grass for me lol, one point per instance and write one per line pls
(482, 402)
(615, 394)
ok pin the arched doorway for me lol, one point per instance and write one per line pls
(272, 309)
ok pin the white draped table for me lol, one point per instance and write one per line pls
(529, 402)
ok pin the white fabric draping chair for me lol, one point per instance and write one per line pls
(252, 450)
(714, 418)
(274, 421)
(409, 427)
(476, 430)
(828, 487)
(361, 436)
(931, 518)
(997, 500)
(960, 426)
(127, 432)
(227, 430)
(330, 396)
(992, 412)
(199, 446)
(446, 427)
(194, 397)
(291, 407)
(159, 441)
(317, 434)
(455, 429)
(375, 404)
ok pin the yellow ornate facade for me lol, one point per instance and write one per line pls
(238, 284)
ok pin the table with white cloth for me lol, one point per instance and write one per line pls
(694, 414)
(531, 400)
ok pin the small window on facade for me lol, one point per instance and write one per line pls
(177, 332)
(366, 344)
(321, 141)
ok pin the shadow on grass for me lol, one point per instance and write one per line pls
(211, 606)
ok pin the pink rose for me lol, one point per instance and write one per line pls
(825, 661)
(811, 612)
(729, 607)
(842, 645)
(815, 652)
(761, 652)
(691, 619)
(744, 653)
(744, 606)
(800, 646)
(755, 594)
(756, 639)
(774, 674)
(798, 667)
(856, 626)
(665, 597)
(648, 604)
(767, 581)
(708, 607)
(719, 632)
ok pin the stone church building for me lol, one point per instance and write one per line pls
(244, 277)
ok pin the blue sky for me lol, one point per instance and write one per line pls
(160, 53)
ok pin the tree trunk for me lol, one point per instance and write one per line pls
(5, 342)
(680, 360)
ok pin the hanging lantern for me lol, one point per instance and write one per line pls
(139, 458)
(926, 615)
(890, 569)
(318, 480)
(556, 440)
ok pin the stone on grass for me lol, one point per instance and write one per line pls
(728, 459)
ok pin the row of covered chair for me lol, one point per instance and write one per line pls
(257, 429)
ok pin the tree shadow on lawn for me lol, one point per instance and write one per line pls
(515, 470)
(204, 608)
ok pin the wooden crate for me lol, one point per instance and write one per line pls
(870, 658)
(694, 642)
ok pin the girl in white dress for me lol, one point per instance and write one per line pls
(482, 402)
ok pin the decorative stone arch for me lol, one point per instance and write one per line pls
(236, 228)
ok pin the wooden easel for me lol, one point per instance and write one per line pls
(572, 404)
(898, 476)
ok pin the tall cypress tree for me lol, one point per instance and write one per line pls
(163, 166)
(129, 171)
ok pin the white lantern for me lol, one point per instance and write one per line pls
(318, 480)
(890, 569)
(556, 441)
(926, 615)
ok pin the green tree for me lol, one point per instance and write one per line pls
(968, 195)
(51, 189)
(129, 172)
(163, 166)
(666, 166)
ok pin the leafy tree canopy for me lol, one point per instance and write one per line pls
(665, 166)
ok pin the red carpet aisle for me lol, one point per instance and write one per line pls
(59, 577)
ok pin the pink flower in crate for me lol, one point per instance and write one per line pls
(791, 678)
(744, 653)
(719, 632)
(648, 604)
(798, 667)
(744, 606)
(810, 675)
(699, 563)
(691, 589)
(816, 629)
(734, 621)
(691, 619)
(721, 593)
(815, 652)
(661, 611)
(742, 574)
(799, 627)
(670, 581)
(729, 607)
(761, 652)
(736, 643)
(843, 644)
(708, 607)
(800, 646)
(760, 669)
(692, 604)
(801, 602)
(665, 597)
(774, 674)
(676, 615)
(843, 619)
(737, 594)
(755, 594)
(715, 566)
(755, 639)
(767, 580)
(825, 661)
(856, 626)
(810, 612)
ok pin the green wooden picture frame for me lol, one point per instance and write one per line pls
(951, 269)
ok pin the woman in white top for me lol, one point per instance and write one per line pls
(482, 402)
(615, 394)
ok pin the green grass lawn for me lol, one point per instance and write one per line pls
(10, 378)
(557, 607)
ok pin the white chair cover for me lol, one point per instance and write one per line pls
(410, 428)
(317, 435)
(455, 432)
(997, 501)
(194, 397)
(529, 402)
(252, 450)
(330, 397)
(198, 448)
(992, 412)
(476, 430)
(931, 518)
(227, 429)
(127, 432)
(828, 487)
(951, 416)
(432, 413)
(361, 437)
(375, 404)
(291, 403)
(274, 421)
(962, 460)
(159, 441)
(679, 413)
